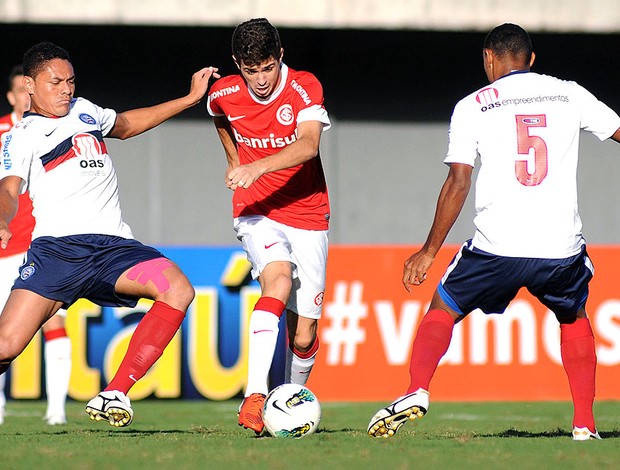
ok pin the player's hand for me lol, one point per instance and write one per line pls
(5, 235)
(243, 176)
(200, 83)
(415, 268)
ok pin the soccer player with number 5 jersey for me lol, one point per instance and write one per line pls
(524, 127)
(270, 119)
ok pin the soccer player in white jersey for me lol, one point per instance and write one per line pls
(270, 119)
(525, 129)
(81, 247)
(57, 348)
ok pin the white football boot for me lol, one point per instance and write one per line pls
(112, 406)
(584, 434)
(388, 420)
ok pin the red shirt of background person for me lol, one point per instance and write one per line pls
(23, 223)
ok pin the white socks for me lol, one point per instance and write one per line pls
(264, 328)
(297, 368)
(57, 373)
(2, 397)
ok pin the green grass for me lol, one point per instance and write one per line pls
(183, 435)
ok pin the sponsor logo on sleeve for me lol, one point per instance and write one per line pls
(87, 119)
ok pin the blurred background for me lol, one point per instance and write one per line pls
(391, 71)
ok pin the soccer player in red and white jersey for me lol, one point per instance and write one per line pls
(81, 247)
(270, 119)
(57, 348)
(525, 129)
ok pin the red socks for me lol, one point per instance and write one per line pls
(579, 359)
(431, 343)
(147, 344)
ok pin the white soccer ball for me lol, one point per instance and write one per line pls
(291, 411)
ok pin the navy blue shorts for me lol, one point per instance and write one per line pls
(81, 266)
(477, 279)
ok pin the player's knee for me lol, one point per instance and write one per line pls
(180, 294)
(283, 283)
(304, 340)
(567, 318)
(9, 350)
(184, 292)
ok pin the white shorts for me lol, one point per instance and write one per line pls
(9, 270)
(266, 241)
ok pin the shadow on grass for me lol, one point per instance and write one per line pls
(510, 433)
(131, 433)
(194, 430)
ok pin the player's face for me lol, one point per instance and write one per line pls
(263, 79)
(52, 89)
(18, 97)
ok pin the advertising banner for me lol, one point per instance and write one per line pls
(368, 325)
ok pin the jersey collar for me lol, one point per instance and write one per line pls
(278, 90)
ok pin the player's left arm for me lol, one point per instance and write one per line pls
(616, 135)
(136, 121)
(9, 192)
(305, 148)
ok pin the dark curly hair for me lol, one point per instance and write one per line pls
(255, 41)
(510, 40)
(38, 55)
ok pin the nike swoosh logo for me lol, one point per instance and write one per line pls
(133, 378)
(275, 405)
(235, 118)
(270, 245)
(51, 132)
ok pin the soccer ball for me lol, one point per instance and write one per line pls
(291, 411)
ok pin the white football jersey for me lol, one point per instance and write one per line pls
(67, 170)
(525, 128)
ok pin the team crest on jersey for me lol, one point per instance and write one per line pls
(27, 272)
(285, 115)
(87, 118)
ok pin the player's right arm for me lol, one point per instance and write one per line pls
(225, 133)
(136, 121)
(449, 205)
(9, 192)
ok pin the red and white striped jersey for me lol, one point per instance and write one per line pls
(295, 196)
(525, 129)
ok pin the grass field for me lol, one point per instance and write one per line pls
(204, 435)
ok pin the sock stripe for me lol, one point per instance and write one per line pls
(55, 334)
(310, 352)
(271, 305)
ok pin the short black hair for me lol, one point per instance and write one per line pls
(38, 55)
(510, 40)
(255, 41)
(16, 71)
